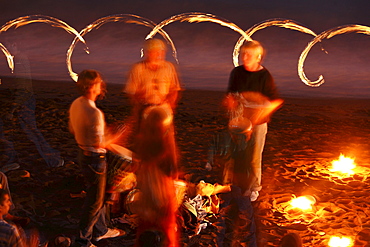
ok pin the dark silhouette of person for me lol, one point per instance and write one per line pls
(21, 105)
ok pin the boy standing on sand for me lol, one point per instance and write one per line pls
(87, 124)
(253, 77)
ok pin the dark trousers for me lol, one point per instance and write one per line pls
(92, 223)
(235, 224)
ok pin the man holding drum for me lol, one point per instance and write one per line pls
(87, 124)
(153, 81)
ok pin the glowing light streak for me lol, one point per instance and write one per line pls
(344, 165)
(22, 21)
(326, 35)
(9, 57)
(54, 22)
(284, 23)
(340, 242)
(198, 17)
(303, 202)
(126, 18)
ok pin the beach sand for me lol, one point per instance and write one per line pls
(304, 137)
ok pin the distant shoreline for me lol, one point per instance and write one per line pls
(39, 84)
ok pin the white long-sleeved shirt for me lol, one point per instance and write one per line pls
(87, 124)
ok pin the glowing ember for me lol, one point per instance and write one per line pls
(340, 242)
(343, 165)
(303, 202)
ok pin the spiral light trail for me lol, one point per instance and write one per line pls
(285, 23)
(326, 35)
(126, 18)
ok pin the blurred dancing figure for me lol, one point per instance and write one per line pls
(253, 77)
(87, 124)
(23, 106)
(157, 154)
(153, 81)
(235, 222)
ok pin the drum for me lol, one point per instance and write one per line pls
(120, 174)
(164, 112)
(125, 202)
(131, 200)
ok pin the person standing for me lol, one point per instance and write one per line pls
(23, 106)
(251, 76)
(153, 81)
(87, 124)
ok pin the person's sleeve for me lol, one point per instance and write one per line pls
(132, 81)
(15, 239)
(270, 88)
(175, 82)
(232, 84)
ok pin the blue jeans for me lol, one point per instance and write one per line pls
(92, 223)
(235, 223)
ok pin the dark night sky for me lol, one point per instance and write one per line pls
(204, 49)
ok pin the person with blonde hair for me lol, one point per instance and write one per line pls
(245, 80)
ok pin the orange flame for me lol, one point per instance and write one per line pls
(344, 165)
(340, 242)
(303, 202)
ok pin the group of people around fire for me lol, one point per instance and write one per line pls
(154, 89)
